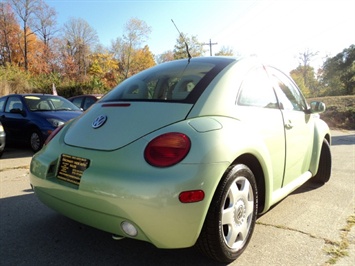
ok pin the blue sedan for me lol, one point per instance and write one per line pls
(31, 118)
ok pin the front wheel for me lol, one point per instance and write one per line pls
(231, 216)
(36, 140)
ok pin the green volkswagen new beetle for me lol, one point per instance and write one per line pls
(186, 153)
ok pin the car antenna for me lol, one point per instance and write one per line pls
(187, 47)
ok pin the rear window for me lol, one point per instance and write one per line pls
(176, 81)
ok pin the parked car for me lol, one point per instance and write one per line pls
(31, 118)
(85, 101)
(186, 153)
(2, 139)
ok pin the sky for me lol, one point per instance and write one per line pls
(275, 30)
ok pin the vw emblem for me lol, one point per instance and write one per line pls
(99, 121)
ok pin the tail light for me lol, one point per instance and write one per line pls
(167, 149)
(52, 135)
(191, 196)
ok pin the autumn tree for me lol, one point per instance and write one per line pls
(298, 76)
(195, 48)
(142, 59)
(25, 10)
(103, 69)
(225, 51)
(45, 22)
(308, 74)
(79, 40)
(45, 28)
(136, 32)
(165, 57)
(9, 33)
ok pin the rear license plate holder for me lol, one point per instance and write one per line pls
(71, 168)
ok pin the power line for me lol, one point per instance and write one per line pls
(210, 44)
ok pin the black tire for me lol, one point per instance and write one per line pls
(325, 165)
(231, 217)
(36, 140)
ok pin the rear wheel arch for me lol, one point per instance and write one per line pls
(231, 216)
(320, 135)
(254, 165)
(325, 164)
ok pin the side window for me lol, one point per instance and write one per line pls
(77, 101)
(257, 91)
(289, 95)
(13, 103)
(88, 102)
(2, 104)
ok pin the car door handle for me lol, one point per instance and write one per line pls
(289, 125)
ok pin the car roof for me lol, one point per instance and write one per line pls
(31, 94)
(85, 95)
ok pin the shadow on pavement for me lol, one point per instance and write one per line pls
(16, 151)
(343, 140)
(32, 234)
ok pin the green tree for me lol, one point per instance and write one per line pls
(339, 73)
(195, 47)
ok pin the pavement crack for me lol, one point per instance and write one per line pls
(14, 168)
(327, 241)
(334, 249)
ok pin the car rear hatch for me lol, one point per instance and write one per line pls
(110, 126)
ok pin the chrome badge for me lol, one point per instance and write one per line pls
(99, 121)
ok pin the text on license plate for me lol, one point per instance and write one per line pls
(71, 168)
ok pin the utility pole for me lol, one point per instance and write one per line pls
(210, 44)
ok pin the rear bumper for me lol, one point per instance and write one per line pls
(147, 199)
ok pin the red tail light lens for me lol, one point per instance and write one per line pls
(167, 149)
(52, 135)
(191, 196)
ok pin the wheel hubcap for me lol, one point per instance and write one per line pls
(237, 213)
(35, 141)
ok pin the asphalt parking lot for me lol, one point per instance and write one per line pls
(312, 226)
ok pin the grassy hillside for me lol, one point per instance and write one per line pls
(340, 111)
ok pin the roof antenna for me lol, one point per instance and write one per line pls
(187, 47)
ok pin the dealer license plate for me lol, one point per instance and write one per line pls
(71, 168)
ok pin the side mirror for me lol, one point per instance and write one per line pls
(317, 107)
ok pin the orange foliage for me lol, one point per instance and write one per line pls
(141, 59)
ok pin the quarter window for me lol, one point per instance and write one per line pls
(257, 91)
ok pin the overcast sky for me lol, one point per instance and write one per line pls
(275, 30)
